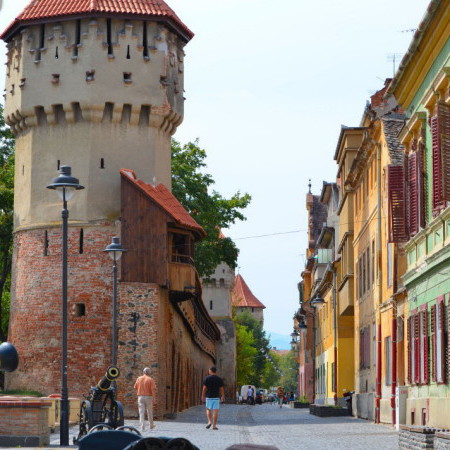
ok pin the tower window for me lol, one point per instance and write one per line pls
(55, 78)
(211, 304)
(58, 165)
(77, 38)
(81, 249)
(128, 52)
(222, 282)
(80, 309)
(56, 53)
(108, 37)
(46, 243)
(127, 77)
(102, 163)
(23, 170)
(145, 40)
(90, 75)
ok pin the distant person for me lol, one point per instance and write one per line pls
(146, 391)
(280, 395)
(250, 395)
(212, 393)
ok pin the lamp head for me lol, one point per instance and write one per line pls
(115, 249)
(317, 302)
(65, 184)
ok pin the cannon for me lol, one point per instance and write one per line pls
(101, 409)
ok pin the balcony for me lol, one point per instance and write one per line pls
(181, 276)
(346, 297)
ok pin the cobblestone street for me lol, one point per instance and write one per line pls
(285, 428)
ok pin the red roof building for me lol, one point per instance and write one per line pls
(39, 11)
(243, 299)
(167, 201)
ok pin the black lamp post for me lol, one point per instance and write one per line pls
(115, 251)
(316, 302)
(65, 185)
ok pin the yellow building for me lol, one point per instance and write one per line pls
(377, 261)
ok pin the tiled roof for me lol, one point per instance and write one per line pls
(242, 296)
(392, 125)
(167, 201)
(38, 10)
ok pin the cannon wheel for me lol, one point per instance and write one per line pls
(129, 428)
(115, 415)
(86, 419)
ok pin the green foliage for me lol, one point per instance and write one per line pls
(262, 372)
(246, 353)
(192, 187)
(6, 220)
(270, 376)
(288, 367)
(21, 392)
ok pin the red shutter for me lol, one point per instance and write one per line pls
(409, 337)
(416, 349)
(397, 206)
(433, 344)
(421, 185)
(413, 194)
(436, 165)
(444, 129)
(426, 366)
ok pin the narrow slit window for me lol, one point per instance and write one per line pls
(46, 243)
(128, 52)
(56, 53)
(80, 310)
(108, 37)
(90, 75)
(145, 40)
(102, 163)
(23, 170)
(77, 38)
(210, 304)
(81, 249)
(58, 165)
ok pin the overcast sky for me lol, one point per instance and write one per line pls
(268, 85)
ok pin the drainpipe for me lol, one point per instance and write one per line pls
(333, 270)
(394, 337)
(379, 289)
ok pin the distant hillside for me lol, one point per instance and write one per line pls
(280, 341)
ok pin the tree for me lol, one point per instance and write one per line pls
(6, 220)
(260, 345)
(288, 368)
(271, 376)
(213, 212)
(245, 354)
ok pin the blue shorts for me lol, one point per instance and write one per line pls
(212, 403)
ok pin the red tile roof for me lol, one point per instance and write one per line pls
(40, 10)
(166, 200)
(242, 296)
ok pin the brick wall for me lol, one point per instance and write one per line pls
(151, 332)
(24, 423)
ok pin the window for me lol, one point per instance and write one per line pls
(438, 340)
(388, 364)
(374, 344)
(210, 304)
(389, 265)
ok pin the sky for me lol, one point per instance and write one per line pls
(268, 86)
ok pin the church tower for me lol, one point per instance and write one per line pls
(96, 85)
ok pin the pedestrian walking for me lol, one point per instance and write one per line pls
(280, 395)
(146, 391)
(212, 393)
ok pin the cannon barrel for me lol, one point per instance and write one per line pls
(112, 373)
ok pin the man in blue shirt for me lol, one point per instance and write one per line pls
(212, 394)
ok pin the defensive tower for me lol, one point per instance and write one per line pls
(97, 85)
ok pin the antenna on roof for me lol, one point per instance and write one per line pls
(309, 185)
(394, 57)
(154, 181)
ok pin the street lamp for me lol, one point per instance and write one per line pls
(115, 251)
(65, 185)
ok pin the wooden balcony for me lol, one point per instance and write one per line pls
(181, 276)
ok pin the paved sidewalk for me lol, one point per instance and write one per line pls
(285, 428)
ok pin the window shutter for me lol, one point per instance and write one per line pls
(409, 337)
(416, 350)
(440, 328)
(397, 204)
(426, 368)
(444, 128)
(433, 344)
(436, 165)
(413, 194)
(421, 185)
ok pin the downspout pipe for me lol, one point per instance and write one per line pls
(379, 289)
(394, 336)
(334, 298)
